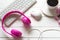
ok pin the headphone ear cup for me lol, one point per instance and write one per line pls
(26, 20)
(16, 33)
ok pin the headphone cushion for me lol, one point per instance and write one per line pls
(26, 20)
(16, 33)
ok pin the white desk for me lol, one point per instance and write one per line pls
(44, 24)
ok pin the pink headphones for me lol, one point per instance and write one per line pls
(14, 32)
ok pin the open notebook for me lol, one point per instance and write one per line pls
(22, 5)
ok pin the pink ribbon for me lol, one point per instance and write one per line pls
(58, 13)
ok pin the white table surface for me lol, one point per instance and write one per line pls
(44, 24)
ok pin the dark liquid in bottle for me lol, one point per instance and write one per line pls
(52, 2)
